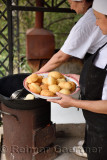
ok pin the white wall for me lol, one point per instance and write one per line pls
(69, 115)
(61, 115)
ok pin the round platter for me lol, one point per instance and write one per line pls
(45, 97)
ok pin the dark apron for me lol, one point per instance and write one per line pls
(91, 83)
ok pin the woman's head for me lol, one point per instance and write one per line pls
(100, 11)
(80, 6)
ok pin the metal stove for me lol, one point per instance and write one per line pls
(29, 133)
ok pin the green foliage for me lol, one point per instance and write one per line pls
(4, 60)
(59, 23)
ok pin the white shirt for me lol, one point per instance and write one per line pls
(101, 62)
(85, 37)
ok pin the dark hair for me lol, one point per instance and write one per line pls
(89, 0)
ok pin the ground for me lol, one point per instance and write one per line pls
(65, 146)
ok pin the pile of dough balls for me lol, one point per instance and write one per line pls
(55, 82)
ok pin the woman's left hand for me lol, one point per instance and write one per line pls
(65, 101)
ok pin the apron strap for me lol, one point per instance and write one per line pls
(106, 67)
(102, 46)
(99, 50)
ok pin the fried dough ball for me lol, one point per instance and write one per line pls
(37, 83)
(51, 80)
(73, 86)
(29, 97)
(54, 88)
(39, 79)
(47, 93)
(60, 80)
(63, 76)
(32, 78)
(65, 91)
(65, 85)
(44, 86)
(34, 88)
(45, 80)
(55, 74)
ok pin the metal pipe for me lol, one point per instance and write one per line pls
(42, 9)
(10, 36)
(39, 15)
(9, 114)
(17, 35)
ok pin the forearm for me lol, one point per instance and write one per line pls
(99, 106)
(50, 65)
(54, 62)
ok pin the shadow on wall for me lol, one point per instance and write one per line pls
(72, 66)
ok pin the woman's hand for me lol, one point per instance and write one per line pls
(98, 106)
(75, 76)
(65, 101)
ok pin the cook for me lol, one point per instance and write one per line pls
(85, 37)
(93, 84)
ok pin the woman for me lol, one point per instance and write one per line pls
(84, 37)
(93, 84)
